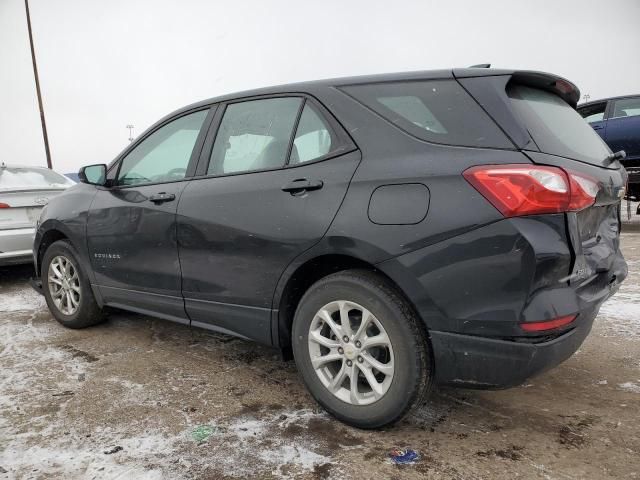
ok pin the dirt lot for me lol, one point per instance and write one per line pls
(138, 398)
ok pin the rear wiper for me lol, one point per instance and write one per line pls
(619, 155)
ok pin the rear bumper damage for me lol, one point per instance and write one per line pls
(489, 363)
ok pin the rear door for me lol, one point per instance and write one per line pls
(623, 127)
(271, 178)
(131, 229)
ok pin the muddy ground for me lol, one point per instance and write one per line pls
(139, 398)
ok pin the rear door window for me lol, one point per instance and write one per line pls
(254, 135)
(593, 113)
(626, 107)
(438, 111)
(555, 126)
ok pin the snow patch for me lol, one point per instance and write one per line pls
(620, 315)
(23, 300)
(630, 387)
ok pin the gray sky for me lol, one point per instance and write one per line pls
(104, 64)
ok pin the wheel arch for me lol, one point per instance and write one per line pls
(48, 238)
(306, 275)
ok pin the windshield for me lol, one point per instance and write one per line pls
(16, 178)
(556, 127)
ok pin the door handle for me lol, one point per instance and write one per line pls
(597, 127)
(162, 197)
(302, 185)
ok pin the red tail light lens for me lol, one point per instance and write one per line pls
(547, 324)
(583, 191)
(519, 189)
(4, 205)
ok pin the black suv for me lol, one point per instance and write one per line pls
(452, 227)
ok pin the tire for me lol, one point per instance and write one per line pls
(82, 311)
(405, 357)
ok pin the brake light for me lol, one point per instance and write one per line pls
(4, 205)
(548, 324)
(519, 189)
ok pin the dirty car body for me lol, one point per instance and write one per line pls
(456, 187)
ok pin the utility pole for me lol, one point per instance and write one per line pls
(586, 97)
(35, 74)
(130, 127)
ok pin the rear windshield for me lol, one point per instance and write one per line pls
(438, 111)
(25, 178)
(556, 127)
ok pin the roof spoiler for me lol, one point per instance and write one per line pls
(552, 83)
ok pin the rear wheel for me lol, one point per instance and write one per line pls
(66, 288)
(360, 349)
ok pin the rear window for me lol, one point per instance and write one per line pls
(438, 111)
(556, 127)
(26, 178)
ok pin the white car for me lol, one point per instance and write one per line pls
(23, 192)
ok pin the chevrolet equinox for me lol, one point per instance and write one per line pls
(455, 227)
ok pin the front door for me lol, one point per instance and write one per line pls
(131, 228)
(276, 176)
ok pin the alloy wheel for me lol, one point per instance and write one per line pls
(351, 352)
(64, 285)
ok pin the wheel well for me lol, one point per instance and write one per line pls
(305, 276)
(48, 238)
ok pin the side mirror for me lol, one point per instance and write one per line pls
(93, 174)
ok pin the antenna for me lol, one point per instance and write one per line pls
(481, 65)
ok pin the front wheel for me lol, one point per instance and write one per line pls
(67, 289)
(360, 349)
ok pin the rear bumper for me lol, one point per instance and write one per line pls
(474, 291)
(487, 363)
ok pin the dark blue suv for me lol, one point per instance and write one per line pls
(617, 121)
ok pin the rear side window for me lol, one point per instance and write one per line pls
(313, 137)
(555, 126)
(25, 178)
(438, 111)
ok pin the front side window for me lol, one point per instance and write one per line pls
(438, 111)
(254, 135)
(313, 137)
(626, 107)
(593, 113)
(164, 155)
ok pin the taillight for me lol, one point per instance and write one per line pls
(583, 191)
(519, 189)
(548, 324)
(4, 205)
